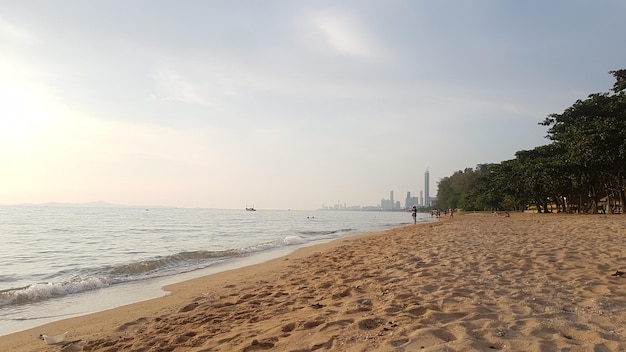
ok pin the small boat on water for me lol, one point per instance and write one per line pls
(250, 209)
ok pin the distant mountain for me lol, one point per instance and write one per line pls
(96, 204)
(102, 204)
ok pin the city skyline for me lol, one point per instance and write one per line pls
(424, 200)
(384, 204)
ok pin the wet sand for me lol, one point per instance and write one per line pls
(529, 282)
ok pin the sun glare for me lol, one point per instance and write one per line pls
(17, 116)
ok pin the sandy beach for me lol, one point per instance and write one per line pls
(529, 282)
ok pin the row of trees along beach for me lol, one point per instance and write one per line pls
(582, 169)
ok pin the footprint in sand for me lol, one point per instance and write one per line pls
(370, 324)
(128, 325)
(289, 327)
(257, 345)
(189, 307)
(313, 323)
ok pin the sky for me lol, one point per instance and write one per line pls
(283, 104)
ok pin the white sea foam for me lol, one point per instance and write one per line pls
(41, 291)
(293, 240)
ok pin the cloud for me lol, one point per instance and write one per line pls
(172, 86)
(15, 33)
(344, 34)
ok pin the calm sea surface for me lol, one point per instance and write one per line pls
(58, 262)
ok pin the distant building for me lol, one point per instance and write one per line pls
(410, 201)
(427, 188)
(424, 200)
(386, 204)
(389, 204)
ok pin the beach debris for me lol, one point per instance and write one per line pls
(618, 273)
(317, 306)
(51, 340)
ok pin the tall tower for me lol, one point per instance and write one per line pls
(426, 189)
(391, 198)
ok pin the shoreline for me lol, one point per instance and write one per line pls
(129, 293)
(174, 289)
(475, 282)
(20, 317)
(123, 294)
(86, 280)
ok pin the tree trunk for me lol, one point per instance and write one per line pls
(545, 206)
(538, 205)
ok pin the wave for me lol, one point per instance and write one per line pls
(293, 240)
(286, 241)
(97, 278)
(177, 262)
(41, 291)
(326, 232)
(301, 237)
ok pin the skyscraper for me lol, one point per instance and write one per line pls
(426, 190)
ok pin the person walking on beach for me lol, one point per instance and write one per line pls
(414, 215)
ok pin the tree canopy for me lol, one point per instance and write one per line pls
(582, 169)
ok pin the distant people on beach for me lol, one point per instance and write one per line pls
(414, 214)
(435, 213)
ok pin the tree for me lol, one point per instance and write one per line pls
(583, 166)
(470, 190)
(620, 80)
(592, 132)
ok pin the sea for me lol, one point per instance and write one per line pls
(58, 262)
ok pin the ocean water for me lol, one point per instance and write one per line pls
(59, 262)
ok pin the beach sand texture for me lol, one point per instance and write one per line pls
(529, 282)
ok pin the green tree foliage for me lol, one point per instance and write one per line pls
(469, 189)
(620, 80)
(582, 169)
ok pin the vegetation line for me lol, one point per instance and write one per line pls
(582, 169)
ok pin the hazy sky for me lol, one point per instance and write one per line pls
(283, 104)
